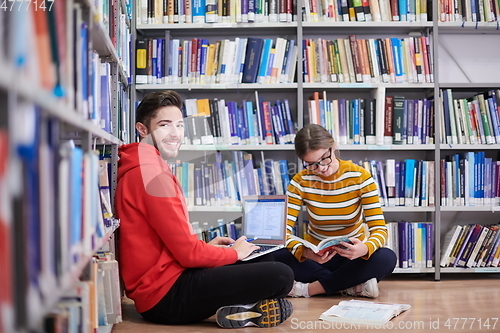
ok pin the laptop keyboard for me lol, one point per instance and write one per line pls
(264, 248)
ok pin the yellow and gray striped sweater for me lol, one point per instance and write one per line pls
(343, 204)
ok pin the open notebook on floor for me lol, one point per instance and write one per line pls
(264, 218)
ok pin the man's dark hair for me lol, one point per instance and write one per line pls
(148, 108)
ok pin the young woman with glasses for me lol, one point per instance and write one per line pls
(341, 199)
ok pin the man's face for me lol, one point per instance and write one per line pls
(167, 127)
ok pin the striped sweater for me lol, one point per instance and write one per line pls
(343, 204)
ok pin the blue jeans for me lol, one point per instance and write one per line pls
(340, 273)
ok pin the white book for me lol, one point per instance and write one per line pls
(390, 180)
(379, 95)
(363, 312)
(448, 243)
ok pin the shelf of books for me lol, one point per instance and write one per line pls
(365, 71)
(65, 72)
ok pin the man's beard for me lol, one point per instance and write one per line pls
(166, 154)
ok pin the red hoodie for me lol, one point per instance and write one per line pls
(156, 239)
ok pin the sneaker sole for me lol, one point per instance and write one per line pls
(265, 313)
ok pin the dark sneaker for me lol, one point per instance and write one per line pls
(265, 313)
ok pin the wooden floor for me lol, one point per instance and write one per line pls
(457, 303)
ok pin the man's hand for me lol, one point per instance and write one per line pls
(243, 247)
(321, 259)
(353, 250)
(221, 241)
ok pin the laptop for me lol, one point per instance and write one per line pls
(264, 218)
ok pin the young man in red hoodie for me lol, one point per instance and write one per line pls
(172, 276)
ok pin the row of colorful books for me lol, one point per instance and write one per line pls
(469, 10)
(472, 120)
(199, 61)
(215, 11)
(409, 182)
(361, 11)
(224, 182)
(406, 121)
(371, 60)
(413, 243)
(471, 245)
(222, 122)
(64, 63)
(263, 11)
(470, 179)
(92, 303)
(66, 192)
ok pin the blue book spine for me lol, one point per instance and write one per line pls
(251, 12)
(160, 62)
(304, 57)
(154, 59)
(252, 59)
(285, 176)
(266, 51)
(198, 11)
(76, 191)
(356, 121)
(248, 105)
(261, 181)
(289, 119)
(397, 53)
(232, 109)
(403, 10)
(494, 118)
(289, 58)
(85, 65)
(203, 59)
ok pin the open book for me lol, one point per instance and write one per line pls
(363, 312)
(323, 246)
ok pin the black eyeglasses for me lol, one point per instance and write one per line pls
(322, 162)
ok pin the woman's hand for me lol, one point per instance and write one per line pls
(221, 241)
(353, 250)
(243, 247)
(321, 259)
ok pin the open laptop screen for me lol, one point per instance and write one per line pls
(264, 217)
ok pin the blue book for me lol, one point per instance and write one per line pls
(356, 126)
(232, 109)
(409, 181)
(397, 53)
(261, 181)
(203, 59)
(285, 176)
(266, 51)
(253, 132)
(241, 122)
(198, 11)
(403, 10)
(252, 59)
(76, 163)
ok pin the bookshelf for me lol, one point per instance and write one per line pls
(443, 53)
(63, 95)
